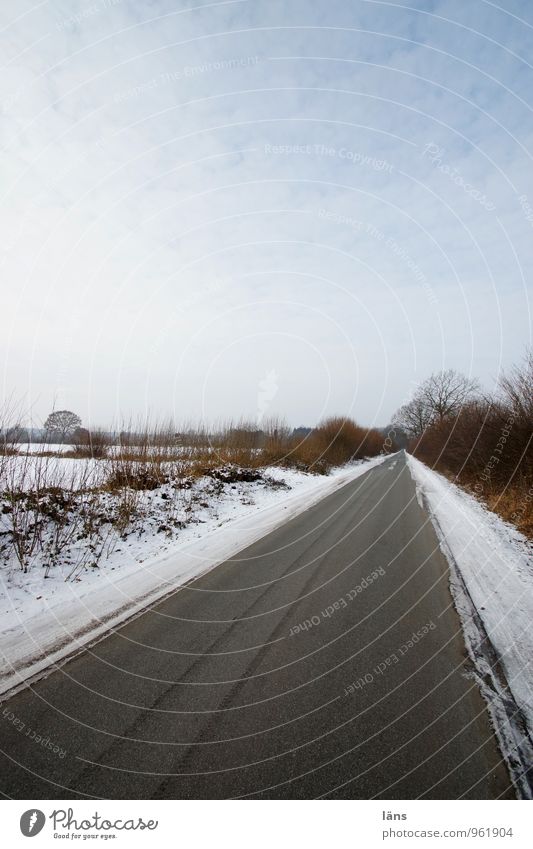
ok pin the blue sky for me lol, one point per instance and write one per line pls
(332, 197)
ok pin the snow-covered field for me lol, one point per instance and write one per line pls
(491, 567)
(46, 619)
(43, 447)
(30, 471)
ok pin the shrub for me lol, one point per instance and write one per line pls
(93, 443)
(488, 446)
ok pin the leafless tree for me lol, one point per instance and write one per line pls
(413, 417)
(441, 395)
(445, 392)
(61, 424)
(517, 388)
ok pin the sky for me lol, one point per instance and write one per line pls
(260, 208)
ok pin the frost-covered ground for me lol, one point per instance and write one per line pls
(492, 585)
(178, 535)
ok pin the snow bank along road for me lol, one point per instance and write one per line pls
(324, 660)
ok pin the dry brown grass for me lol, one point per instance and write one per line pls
(102, 496)
(488, 447)
(515, 505)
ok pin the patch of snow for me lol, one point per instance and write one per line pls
(491, 567)
(31, 471)
(46, 620)
(42, 447)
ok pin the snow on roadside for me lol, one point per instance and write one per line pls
(45, 620)
(493, 593)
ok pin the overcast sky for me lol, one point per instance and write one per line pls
(261, 207)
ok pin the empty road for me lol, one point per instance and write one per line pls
(290, 671)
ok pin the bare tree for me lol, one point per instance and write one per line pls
(517, 388)
(413, 417)
(516, 425)
(445, 392)
(60, 425)
(441, 395)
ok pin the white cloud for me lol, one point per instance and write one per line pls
(165, 171)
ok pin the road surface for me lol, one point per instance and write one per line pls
(290, 671)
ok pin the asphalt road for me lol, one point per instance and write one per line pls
(288, 672)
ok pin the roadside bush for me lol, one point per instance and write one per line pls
(78, 504)
(89, 443)
(488, 447)
(340, 440)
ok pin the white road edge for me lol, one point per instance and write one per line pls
(491, 580)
